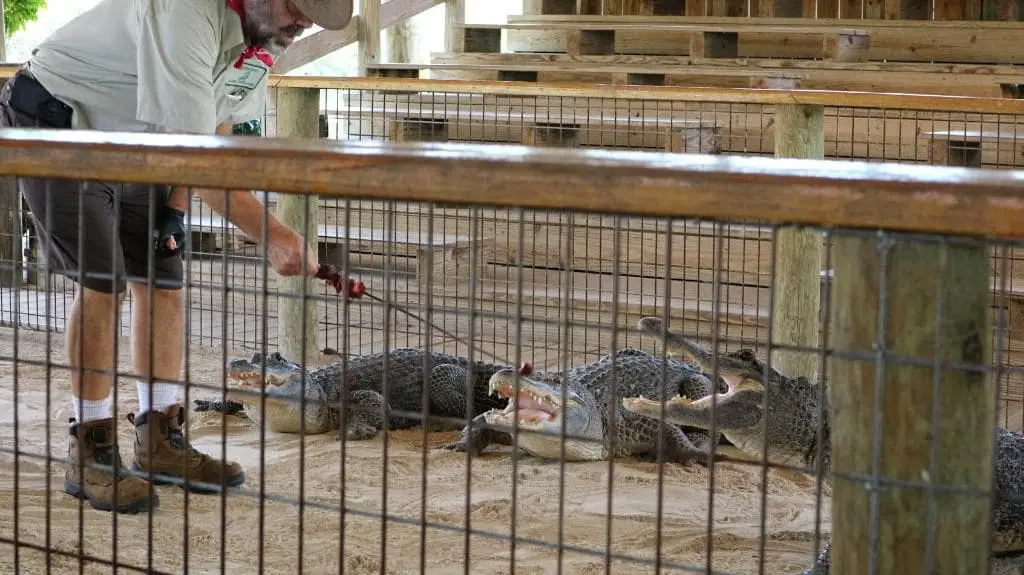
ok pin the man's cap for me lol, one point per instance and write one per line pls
(327, 14)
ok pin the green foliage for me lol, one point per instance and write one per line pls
(250, 128)
(17, 13)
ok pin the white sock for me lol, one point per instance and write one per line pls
(164, 396)
(91, 410)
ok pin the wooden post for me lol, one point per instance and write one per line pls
(3, 34)
(533, 7)
(911, 280)
(538, 7)
(455, 15)
(799, 133)
(10, 203)
(369, 34)
(10, 232)
(298, 116)
(400, 41)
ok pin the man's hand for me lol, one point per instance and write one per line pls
(286, 250)
(169, 236)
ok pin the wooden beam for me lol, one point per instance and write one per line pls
(318, 45)
(325, 42)
(831, 193)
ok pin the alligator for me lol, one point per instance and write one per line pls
(407, 370)
(796, 410)
(541, 412)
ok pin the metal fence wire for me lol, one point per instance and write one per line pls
(581, 297)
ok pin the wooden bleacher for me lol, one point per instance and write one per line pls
(960, 41)
(991, 81)
(899, 56)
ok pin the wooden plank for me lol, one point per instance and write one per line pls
(655, 39)
(890, 40)
(962, 80)
(324, 42)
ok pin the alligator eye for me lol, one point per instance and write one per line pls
(746, 355)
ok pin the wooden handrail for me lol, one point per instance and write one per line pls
(831, 193)
(830, 98)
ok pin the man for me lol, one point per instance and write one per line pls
(183, 66)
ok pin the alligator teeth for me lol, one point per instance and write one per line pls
(681, 399)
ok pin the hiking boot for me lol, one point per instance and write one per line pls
(92, 443)
(161, 447)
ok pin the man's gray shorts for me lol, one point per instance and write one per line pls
(114, 218)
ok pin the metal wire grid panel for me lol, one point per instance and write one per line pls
(395, 503)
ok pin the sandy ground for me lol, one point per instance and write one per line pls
(208, 534)
(232, 533)
(240, 535)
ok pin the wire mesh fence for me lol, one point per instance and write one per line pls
(908, 321)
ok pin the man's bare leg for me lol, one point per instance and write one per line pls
(92, 316)
(166, 346)
(160, 444)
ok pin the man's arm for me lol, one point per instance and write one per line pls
(240, 207)
(284, 247)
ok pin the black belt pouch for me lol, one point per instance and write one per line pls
(29, 97)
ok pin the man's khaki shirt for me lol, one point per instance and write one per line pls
(146, 65)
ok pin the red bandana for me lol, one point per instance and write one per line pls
(250, 51)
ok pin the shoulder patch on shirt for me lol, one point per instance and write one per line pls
(252, 72)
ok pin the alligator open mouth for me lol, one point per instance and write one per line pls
(251, 375)
(535, 405)
(245, 378)
(681, 410)
(531, 406)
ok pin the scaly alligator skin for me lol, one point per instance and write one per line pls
(410, 372)
(796, 408)
(585, 412)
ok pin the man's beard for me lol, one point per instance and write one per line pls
(259, 30)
